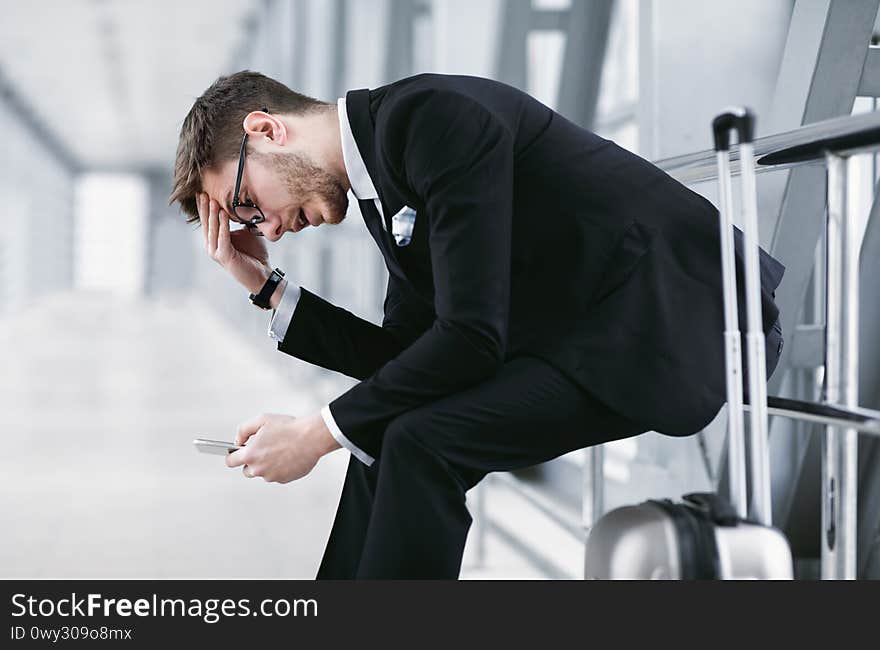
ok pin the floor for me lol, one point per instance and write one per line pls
(101, 397)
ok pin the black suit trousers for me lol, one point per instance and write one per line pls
(405, 517)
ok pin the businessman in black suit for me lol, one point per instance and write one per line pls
(548, 290)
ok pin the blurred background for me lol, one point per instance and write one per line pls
(122, 341)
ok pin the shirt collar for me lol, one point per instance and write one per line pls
(361, 183)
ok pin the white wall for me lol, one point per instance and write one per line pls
(698, 58)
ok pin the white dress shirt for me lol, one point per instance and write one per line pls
(361, 188)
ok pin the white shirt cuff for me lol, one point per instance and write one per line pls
(282, 316)
(358, 453)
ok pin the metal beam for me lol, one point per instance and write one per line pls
(841, 51)
(301, 43)
(869, 389)
(550, 19)
(511, 65)
(340, 51)
(242, 55)
(585, 46)
(27, 117)
(283, 48)
(399, 54)
(586, 25)
(869, 84)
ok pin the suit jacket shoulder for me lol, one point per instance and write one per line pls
(422, 110)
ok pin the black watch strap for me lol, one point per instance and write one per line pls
(261, 299)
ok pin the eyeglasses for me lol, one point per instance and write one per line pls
(247, 212)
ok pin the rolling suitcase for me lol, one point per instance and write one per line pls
(701, 539)
(708, 536)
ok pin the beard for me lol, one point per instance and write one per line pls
(305, 180)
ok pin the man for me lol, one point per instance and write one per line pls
(548, 291)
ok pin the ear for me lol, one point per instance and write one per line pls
(263, 126)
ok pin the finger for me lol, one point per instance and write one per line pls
(203, 215)
(250, 472)
(236, 458)
(224, 244)
(248, 428)
(214, 207)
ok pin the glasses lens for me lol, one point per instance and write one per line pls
(246, 214)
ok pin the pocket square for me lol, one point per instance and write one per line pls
(402, 225)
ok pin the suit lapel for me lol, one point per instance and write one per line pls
(361, 106)
(383, 239)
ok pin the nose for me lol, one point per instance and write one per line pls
(272, 228)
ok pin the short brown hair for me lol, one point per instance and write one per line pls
(212, 130)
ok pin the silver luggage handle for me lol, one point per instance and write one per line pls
(742, 121)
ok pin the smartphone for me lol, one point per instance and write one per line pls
(215, 446)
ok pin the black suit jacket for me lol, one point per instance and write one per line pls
(535, 237)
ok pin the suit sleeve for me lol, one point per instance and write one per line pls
(458, 158)
(334, 338)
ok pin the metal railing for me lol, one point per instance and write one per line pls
(843, 132)
(830, 142)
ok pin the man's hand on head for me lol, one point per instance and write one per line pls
(281, 448)
(244, 255)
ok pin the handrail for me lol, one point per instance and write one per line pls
(701, 166)
(862, 419)
(830, 143)
(844, 136)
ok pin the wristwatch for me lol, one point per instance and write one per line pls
(261, 299)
